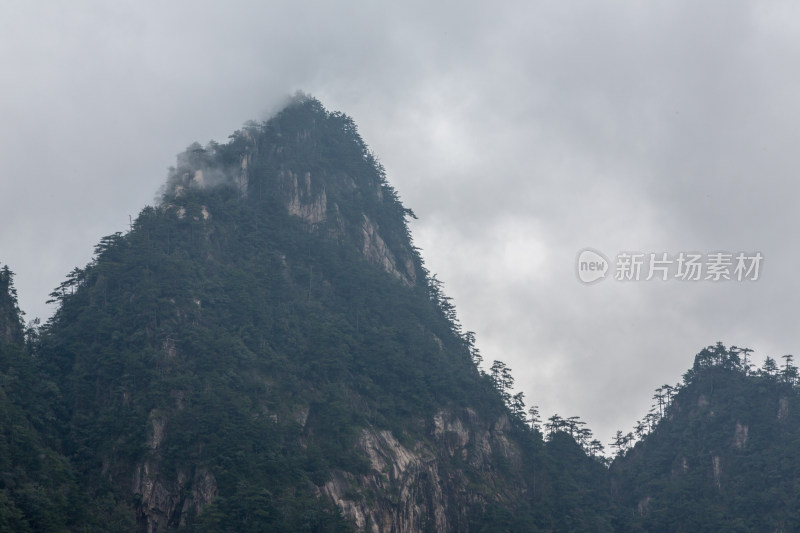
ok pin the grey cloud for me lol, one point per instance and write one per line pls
(518, 133)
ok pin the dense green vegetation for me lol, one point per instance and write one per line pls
(220, 367)
(38, 489)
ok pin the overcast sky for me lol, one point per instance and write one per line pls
(519, 133)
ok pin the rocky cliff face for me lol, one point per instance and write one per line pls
(164, 502)
(414, 487)
(377, 252)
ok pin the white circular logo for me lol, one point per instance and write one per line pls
(592, 266)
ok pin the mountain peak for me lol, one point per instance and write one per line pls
(315, 165)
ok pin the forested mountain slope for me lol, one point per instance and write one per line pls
(265, 350)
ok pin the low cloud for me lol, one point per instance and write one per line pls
(518, 134)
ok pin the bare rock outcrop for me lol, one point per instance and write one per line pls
(414, 487)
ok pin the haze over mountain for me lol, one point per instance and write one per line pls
(265, 349)
(657, 127)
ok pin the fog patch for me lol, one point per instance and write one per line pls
(196, 168)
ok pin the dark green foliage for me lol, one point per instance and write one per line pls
(38, 489)
(580, 496)
(10, 314)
